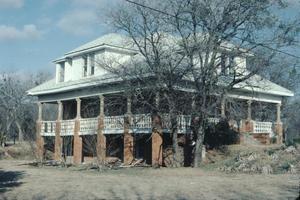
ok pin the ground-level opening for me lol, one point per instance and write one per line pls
(115, 146)
(143, 147)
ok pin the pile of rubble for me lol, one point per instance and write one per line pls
(114, 162)
(265, 161)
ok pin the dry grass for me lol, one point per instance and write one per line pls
(27, 182)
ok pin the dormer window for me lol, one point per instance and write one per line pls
(85, 66)
(62, 72)
(227, 64)
(92, 63)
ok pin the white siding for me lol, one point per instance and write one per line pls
(74, 66)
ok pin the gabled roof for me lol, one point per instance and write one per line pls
(112, 39)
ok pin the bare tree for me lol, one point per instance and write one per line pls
(198, 42)
(18, 109)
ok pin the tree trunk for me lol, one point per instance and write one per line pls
(198, 131)
(174, 128)
(20, 134)
(198, 147)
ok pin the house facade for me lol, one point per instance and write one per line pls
(96, 118)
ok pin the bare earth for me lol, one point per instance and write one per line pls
(19, 181)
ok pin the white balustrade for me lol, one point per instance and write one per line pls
(213, 120)
(262, 127)
(141, 121)
(114, 122)
(67, 127)
(88, 126)
(48, 128)
(184, 122)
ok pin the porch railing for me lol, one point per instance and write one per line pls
(67, 127)
(139, 123)
(262, 127)
(88, 126)
(114, 122)
(48, 128)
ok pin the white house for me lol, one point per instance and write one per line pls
(80, 80)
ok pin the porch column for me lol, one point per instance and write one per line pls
(39, 137)
(278, 125)
(157, 139)
(247, 126)
(249, 113)
(223, 104)
(58, 139)
(101, 139)
(77, 150)
(128, 137)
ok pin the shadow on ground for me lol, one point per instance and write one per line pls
(9, 179)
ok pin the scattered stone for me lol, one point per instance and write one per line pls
(252, 157)
(293, 169)
(275, 157)
(290, 149)
(267, 169)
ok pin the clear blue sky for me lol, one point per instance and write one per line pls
(35, 32)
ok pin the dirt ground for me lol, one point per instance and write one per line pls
(21, 181)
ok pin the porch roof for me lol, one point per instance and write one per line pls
(51, 86)
(255, 84)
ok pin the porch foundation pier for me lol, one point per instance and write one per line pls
(58, 139)
(247, 125)
(157, 139)
(278, 125)
(39, 138)
(101, 139)
(77, 151)
(128, 137)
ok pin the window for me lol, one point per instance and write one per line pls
(231, 65)
(85, 66)
(92, 59)
(62, 72)
(223, 64)
(227, 64)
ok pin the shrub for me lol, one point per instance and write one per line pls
(219, 135)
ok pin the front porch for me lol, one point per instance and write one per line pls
(90, 131)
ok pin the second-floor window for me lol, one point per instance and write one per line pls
(62, 72)
(85, 66)
(92, 63)
(227, 64)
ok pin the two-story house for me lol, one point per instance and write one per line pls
(84, 93)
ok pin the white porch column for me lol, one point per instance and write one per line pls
(157, 100)
(101, 97)
(60, 110)
(223, 104)
(193, 103)
(78, 110)
(278, 119)
(40, 111)
(249, 116)
(129, 105)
